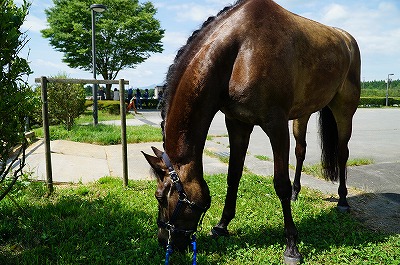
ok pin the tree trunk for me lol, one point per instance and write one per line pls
(108, 86)
(108, 92)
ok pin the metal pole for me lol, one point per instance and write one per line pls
(387, 90)
(95, 107)
(123, 131)
(46, 132)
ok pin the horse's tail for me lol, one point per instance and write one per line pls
(329, 144)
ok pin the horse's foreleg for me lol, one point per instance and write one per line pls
(239, 136)
(299, 132)
(278, 133)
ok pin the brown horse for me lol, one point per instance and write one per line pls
(260, 65)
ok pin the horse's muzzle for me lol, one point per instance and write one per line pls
(179, 242)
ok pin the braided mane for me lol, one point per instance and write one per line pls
(184, 53)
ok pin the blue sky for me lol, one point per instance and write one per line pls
(374, 23)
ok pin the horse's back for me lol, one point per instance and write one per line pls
(287, 60)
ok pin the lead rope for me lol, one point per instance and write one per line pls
(194, 247)
(168, 254)
(194, 244)
(169, 249)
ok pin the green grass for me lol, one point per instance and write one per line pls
(360, 162)
(87, 117)
(313, 170)
(104, 223)
(263, 158)
(85, 132)
(223, 159)
(316, 169)
(104, 134)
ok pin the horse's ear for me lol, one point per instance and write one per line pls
(157, 164)
(157, 152)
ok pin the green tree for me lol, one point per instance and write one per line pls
(66, 102)
(126, 34)
(15, 95)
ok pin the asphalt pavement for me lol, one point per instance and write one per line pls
(376, 135)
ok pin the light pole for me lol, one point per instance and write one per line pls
(387, 89)
(96, 8)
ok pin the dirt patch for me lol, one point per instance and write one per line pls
(379, 211)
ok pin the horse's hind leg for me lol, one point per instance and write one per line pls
(343, 111)
(299, 132)
(239, 136)
(344, 126)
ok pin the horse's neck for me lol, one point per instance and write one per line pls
(187, 123)
(199, 81)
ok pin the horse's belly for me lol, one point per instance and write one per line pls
(298, 111)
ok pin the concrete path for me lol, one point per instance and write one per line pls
(376, 136)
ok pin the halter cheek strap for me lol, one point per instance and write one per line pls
(182, 199)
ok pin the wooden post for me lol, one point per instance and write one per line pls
(44, 80)
(123, 131)
(46, 132)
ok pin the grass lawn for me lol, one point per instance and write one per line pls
(87, 117)
(103, 223)
(102, 134)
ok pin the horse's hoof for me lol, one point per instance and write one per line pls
(292, 260)
(218, 231)
(343, 209)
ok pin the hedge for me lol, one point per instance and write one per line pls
(113, 106)
(368, 102)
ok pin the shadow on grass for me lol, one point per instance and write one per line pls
(73, 230)
(119, 227)
(330, 234)
(330, 237)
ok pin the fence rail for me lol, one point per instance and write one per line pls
(81, 81)
(44, 80)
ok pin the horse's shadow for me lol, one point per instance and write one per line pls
(378, 211)
(129, 233)
(374, 213)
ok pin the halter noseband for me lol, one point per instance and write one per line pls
(182, 199)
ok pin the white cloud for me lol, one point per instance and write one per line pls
(51, 68)
(34, 24)
(298, 4)
(334, 13)
(152, 71)
(374, 25)
(50, 64)
(193, 12)
(221, 2)
(161, 58)
(175, 38)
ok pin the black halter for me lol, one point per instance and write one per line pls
(182, 199)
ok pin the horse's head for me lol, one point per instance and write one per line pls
(181, 204)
